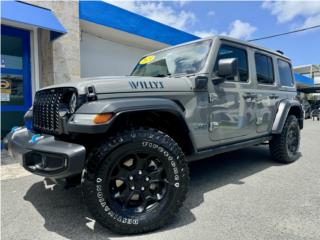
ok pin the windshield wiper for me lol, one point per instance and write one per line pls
(162, 75)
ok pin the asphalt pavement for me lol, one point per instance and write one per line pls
(238, 195)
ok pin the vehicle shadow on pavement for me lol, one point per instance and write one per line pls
(65, 213)
(212, 173)
(6, 159)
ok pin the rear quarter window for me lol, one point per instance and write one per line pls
(285, 73)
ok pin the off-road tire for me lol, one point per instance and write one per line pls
(100, 161)
(279, 144)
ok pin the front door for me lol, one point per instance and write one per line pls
(15, 77)
(231, 107)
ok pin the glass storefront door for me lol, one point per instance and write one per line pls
(15, 77)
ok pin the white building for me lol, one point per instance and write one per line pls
(50, 42)
(311, 71)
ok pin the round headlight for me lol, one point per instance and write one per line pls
(73, 103)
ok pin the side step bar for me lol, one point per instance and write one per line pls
(227, 148)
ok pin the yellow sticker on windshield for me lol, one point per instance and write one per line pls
(147, 59)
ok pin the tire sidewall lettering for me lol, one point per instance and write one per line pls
(105, 207)
(167, 156)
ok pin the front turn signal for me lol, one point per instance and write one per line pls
(102, 118)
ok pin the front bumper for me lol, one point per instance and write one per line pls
(44, 155)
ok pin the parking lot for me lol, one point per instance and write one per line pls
(238, 195)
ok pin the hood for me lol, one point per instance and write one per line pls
(128, 84)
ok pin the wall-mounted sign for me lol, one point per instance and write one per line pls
(5, 90)
(14, 62)
(3, 65)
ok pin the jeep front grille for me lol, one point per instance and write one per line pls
(48, 107)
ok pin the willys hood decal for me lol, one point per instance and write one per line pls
(128, 84)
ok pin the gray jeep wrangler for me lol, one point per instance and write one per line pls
(128, 139)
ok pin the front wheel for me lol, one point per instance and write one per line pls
(135, 182)
(284, 147)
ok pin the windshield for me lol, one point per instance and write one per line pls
(187, 59)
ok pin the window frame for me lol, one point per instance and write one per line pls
(291, 74)
(243, 48)
(272, 65)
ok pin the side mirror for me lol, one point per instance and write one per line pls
(228, 67)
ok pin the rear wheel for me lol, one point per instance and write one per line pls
(135, 182)
(284, 147)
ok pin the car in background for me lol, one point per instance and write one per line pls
(315, 114)
(306, 107)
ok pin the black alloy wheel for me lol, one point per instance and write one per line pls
(293, 139)
(136, 181)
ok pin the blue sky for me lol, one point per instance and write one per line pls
(245, 20)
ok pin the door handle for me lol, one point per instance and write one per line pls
(273, 96)
(249, 95)
(246, 95)
(254, 96)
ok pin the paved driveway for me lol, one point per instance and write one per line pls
(239, 195)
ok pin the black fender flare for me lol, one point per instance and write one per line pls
(119, 106)
(284, 108)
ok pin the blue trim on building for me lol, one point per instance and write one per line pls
(31, 15)
(302, 80)
(11, 70)
(108, 15)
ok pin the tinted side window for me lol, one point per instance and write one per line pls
(285, 73)
(264, 68)
(233, 52)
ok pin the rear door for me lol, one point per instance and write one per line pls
(267, 91)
